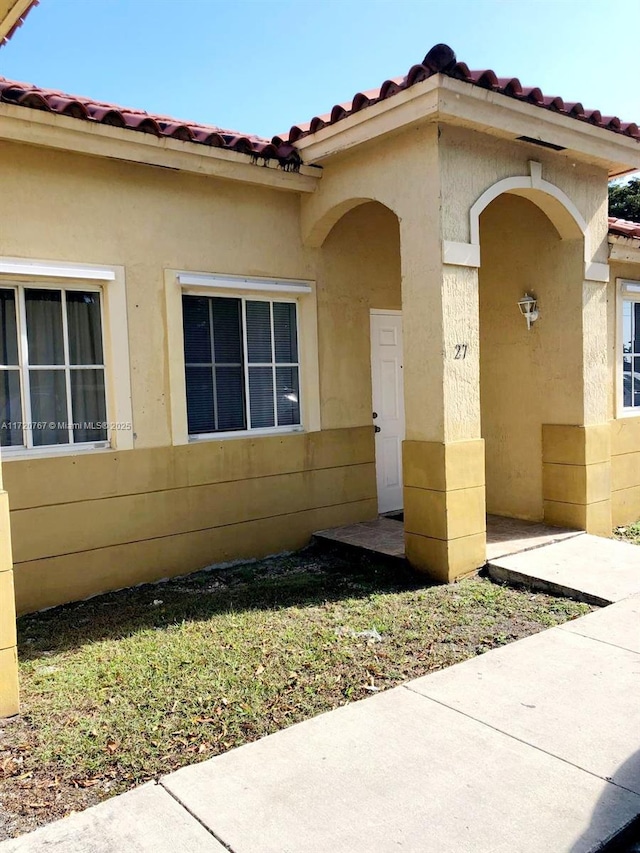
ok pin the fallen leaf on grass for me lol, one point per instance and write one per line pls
(10, 766)
(85, 783)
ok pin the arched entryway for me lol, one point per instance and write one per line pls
(527, 377)
(359, 289)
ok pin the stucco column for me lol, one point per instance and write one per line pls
(443, 455)
(9, 697)
(577, 458)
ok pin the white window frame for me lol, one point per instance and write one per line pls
(110, 282)
(179, 283)
(203, 436)
(25, 368)
(627, 290)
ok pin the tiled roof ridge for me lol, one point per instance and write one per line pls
(19, 22)
(441, 59)
(624, 228)
(81, 107)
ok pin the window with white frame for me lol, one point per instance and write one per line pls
(241, 364)
(52, 373)
(630, 326)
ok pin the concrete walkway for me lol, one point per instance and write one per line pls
(587, 568)
(531, 748)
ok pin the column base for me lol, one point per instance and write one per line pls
(9, 695)
(446, 560)
(9, 690)
(444, 507)
(576, 467)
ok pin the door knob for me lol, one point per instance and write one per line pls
(377, 429)
(374, 415)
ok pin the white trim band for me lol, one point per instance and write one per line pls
(232, 283)
(460, 254)
(596, 272)
(16, 266)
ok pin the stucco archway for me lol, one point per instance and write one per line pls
(359, 273)
(556, 204)
(527, 377)
(316, 229)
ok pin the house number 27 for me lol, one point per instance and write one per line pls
(461, 351)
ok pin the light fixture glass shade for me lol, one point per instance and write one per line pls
(529, 308)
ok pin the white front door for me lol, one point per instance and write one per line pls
(388, 406)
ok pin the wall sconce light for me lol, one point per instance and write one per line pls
(529, 309)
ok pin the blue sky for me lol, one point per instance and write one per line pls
(261, 65)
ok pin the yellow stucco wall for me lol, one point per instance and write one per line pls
(527, 378)
(625, 431)
(470, 162)
(66, 207)
(625, 470)
(86, 524)
(90, 522)
(9, 692)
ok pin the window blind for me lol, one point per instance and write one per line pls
(241, 364)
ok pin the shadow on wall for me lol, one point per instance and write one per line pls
(627, 776)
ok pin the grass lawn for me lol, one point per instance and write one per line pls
(131, 685)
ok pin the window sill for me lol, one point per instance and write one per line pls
(628, 413)
(247, 433)
(14, 454)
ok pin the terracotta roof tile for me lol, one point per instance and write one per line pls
(442, 60)
(19, 22)
(624, 228)
(75, 106)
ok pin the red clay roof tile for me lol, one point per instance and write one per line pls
(624, 228)
(442, 60)
(75, 106)
(439, 60)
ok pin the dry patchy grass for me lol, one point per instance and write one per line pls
(132, 685)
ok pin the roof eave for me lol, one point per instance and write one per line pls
(444, 99)
(44, 129)
(624, 249)
(12, 14)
